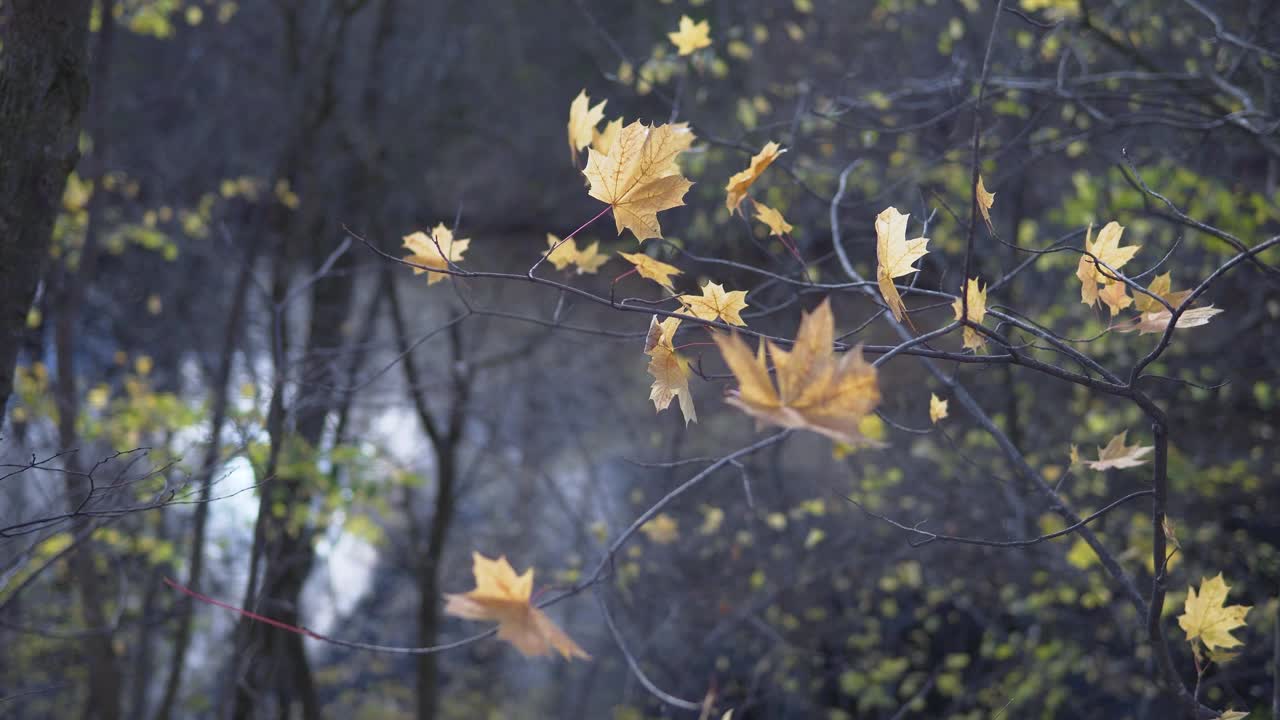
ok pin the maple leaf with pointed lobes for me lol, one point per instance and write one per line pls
(985, 201)
(590, 259)
(1106, 249)
(1120, 456)
(1116, 297)
(654, 270)
(937, 408)
(741, 182)
(503, 596)
(895, 255)
(691, 36)
(977, 300)
(562, 254)
(670, 371)
(583, 120)
(816, 389)
(639, 176)
(716, 304)
(1154, 318)
(1207, 617)
(778, 225)
(426, 251)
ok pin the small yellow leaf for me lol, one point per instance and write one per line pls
(1116, 297)
(738, 185)
(662, 529)
(426, 251)
(561, 254)
(937, 408)
(977, 300)
(654, 270)
(638, 177)
(590, 259)
(503, 597)
(1120, 456)
(691, 36)
(670, 371)
(583, 120)
(778, 225)
(1107, 249)
(716, 304)
(895, 255)
(1207, 618)
(816, 389)
(985, 201)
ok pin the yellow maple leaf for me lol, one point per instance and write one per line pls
(1116, 297)
(662, 529)
(602, 140)
(1120, 456)
(716, 304)
(937, 408)
(590, 259)
(638, 177)
(778, 225)
(816, 389)
(1161, 287)
(1157, 322)
(583, 120)
(503, 597)
(742, 181)
(670, 371)
(691, 36)
(1107, 249)
(977, 300)
(655, 270)
(985, 201)
(895, 255)
(1207, 618)
(563, 254)
(426, 251)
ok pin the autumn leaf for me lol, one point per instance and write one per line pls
(662, 529)
(716, 304)
(1233, 715)
(1157, 322)
(562, 254)
(426, 251)
(895, 255)
(583, 120)
(985, 201)
(1161, 287)
(691, 36)
(816, 389)
(1120, 456)
(937, 408)
(638, 177)
(1107, 249)
(738, 185)
(670, 371)
(778, 225)
(977, 300)
(654, 270)
(503, 597)
(1207, 618)
(1116, 297)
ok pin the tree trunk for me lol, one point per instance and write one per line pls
(44, 87)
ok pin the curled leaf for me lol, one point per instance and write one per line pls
(742, 181)
(895, 255)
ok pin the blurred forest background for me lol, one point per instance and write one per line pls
(214, 381)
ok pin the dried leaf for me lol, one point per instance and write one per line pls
(427, 251)
(670, 371)
(691, 36)
(937, 408)
(638, 177)
(977, 300)
(716, 304)
(738, 185)
(816, 389)
(503, 597)
(654, 270)
(1207, 618)
(1157, 322)
(895, 255)
(1116, 297)
(778, 225)
(1108, 250)
(1120, 456)
(563, 254)
(583, 120)
(602, 140)
(985, 201)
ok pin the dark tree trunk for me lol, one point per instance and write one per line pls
(44, 88)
